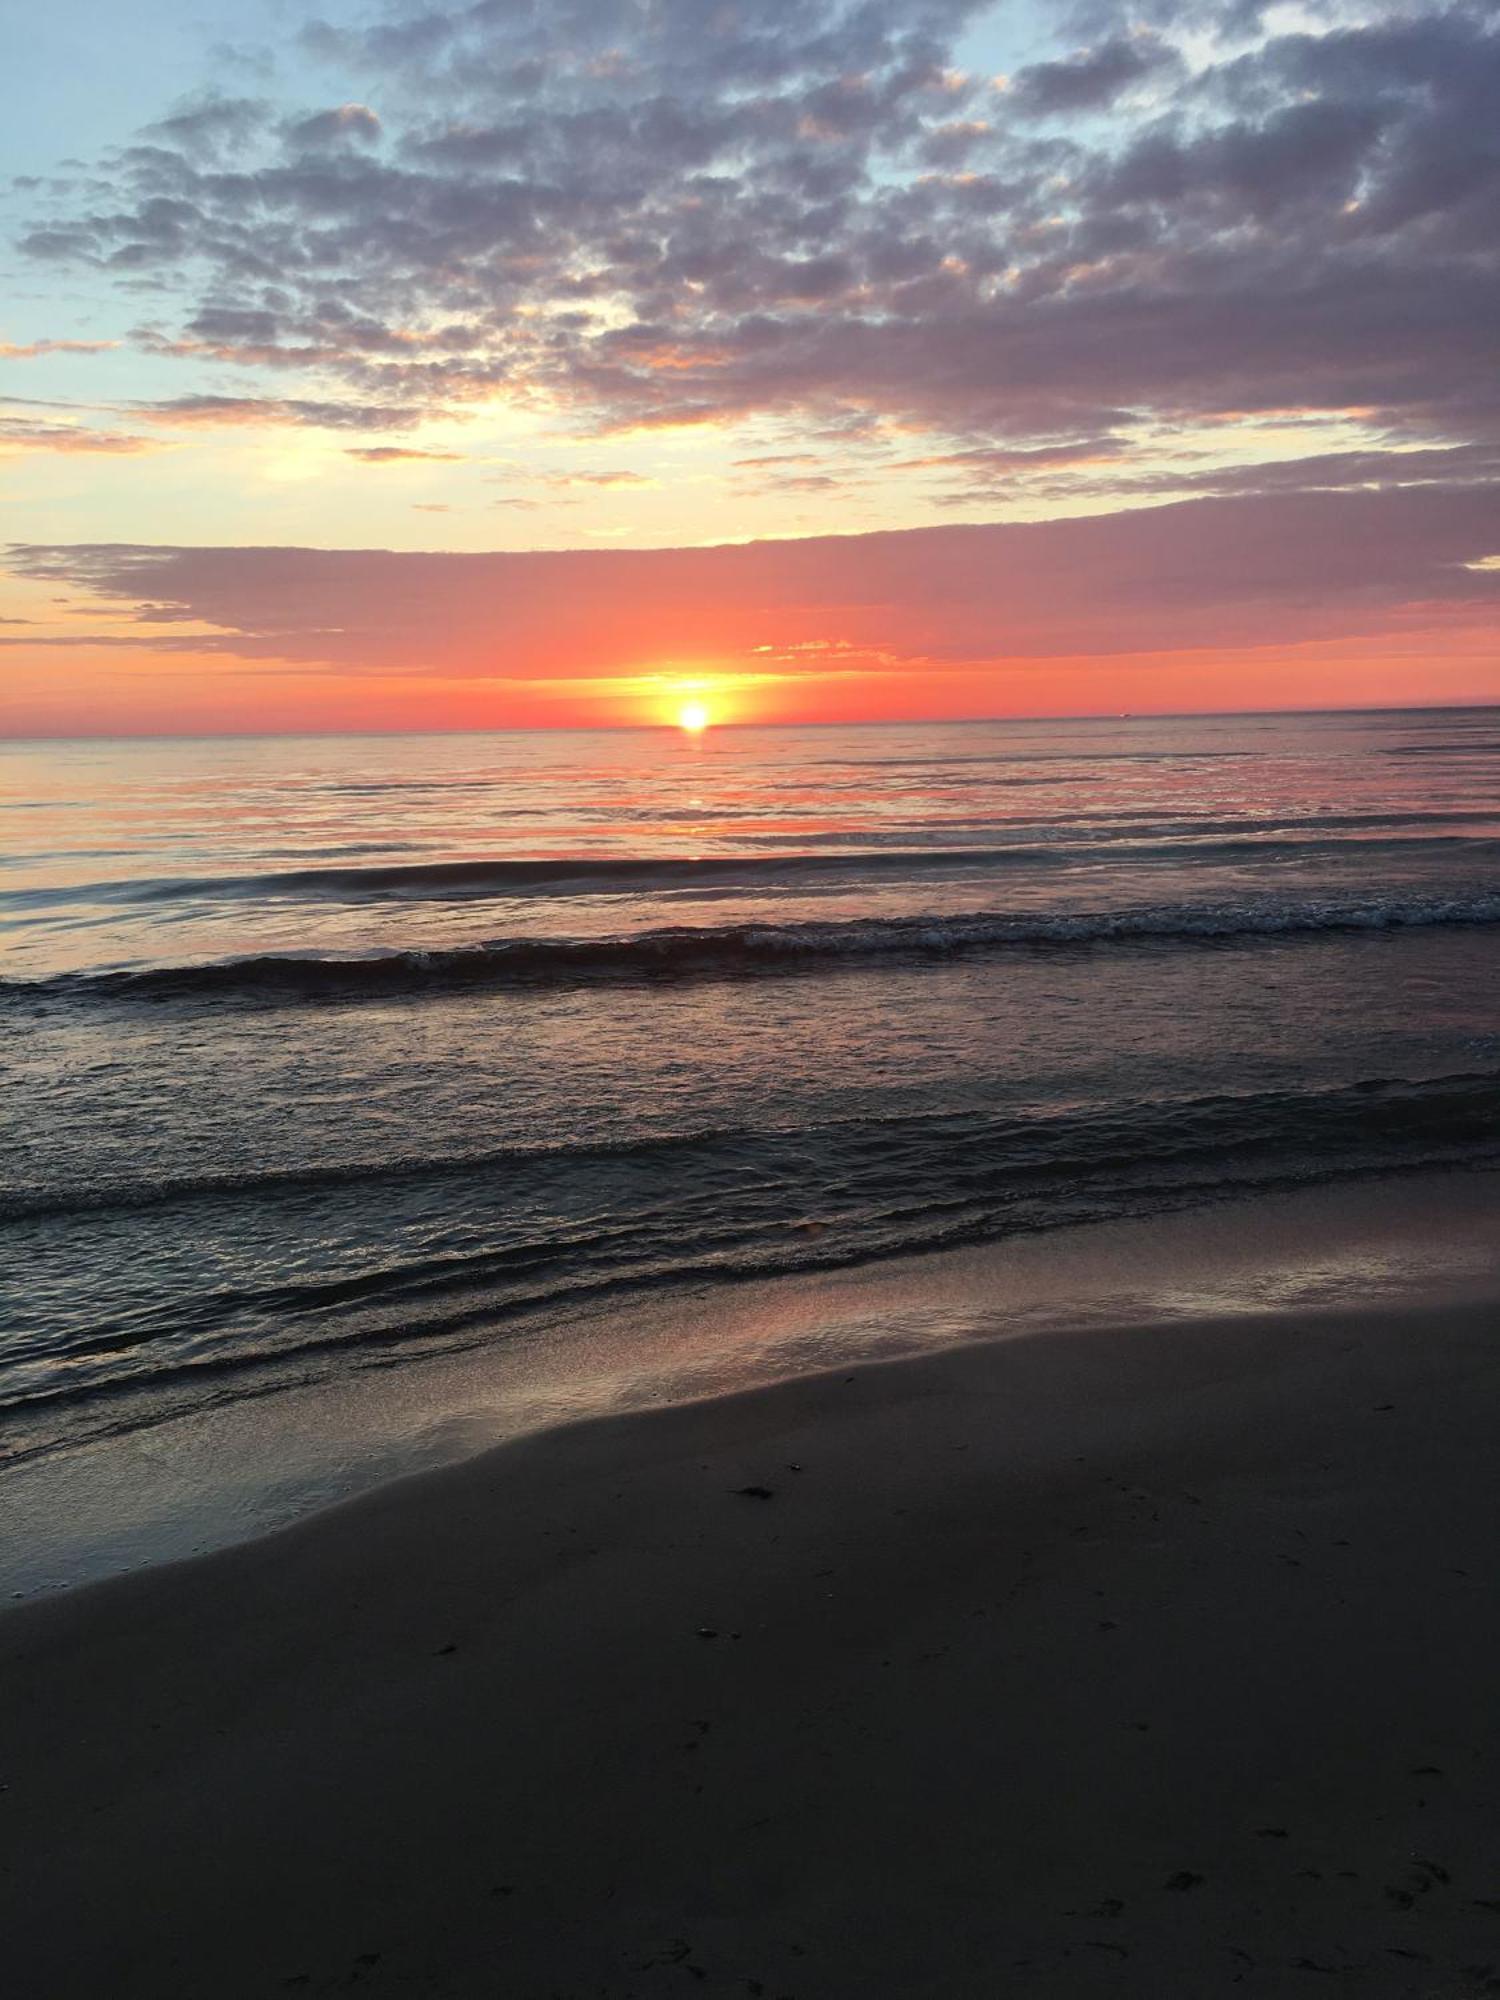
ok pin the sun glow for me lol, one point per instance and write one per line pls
(693, 716)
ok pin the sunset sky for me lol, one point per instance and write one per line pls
(413, 365)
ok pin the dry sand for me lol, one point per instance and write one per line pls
(1157, 1662)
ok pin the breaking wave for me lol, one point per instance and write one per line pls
(688, 951)
(461, 1247)
(1031, 843)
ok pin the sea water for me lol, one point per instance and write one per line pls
(324, 1052)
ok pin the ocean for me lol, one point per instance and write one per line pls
(325, 1053)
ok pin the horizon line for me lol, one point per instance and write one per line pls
(750, 728)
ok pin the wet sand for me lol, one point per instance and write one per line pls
(1143, 1661)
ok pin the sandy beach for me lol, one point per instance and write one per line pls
(750, 895)
(1142, 1661)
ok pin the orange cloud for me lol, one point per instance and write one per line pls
(1303, 599)
(26, 435)
(392, 454)
(31, 350)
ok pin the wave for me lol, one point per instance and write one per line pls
(709, 950)
(1193, 839)
(1175, 841)
(759, 1201)
(500, 876)
(274, 1181)
(1011, 755)
(1170, 1131)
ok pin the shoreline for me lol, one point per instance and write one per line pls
(1136, 1660)
(225, 1473)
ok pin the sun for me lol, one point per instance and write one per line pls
(693, 716)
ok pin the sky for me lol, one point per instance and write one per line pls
(419, 365)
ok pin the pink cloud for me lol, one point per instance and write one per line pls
(1220, 573)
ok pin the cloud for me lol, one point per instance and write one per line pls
(1091, 79)
(228, 411)
(627, 218)
(394, 454)
(568, 487)
(18, 434)
(595, 479)
(996, 465)
(1256, 570)
(815, 482)
(207, 122)
(345, 123)
(31, 350)
(1328, 472)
